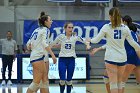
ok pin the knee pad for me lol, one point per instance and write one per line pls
(105, 79)
(34, 86)
(113, 85)
(44, 84)
(69, 83)
(121, 85)
(62, 82)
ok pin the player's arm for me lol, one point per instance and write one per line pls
(56, 42)
(56, 46)
(87, 43)
(47, 47)
(99, 36)
(28, 45)
(139, 38)
(94, 50)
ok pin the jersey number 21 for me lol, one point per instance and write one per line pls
(117, 34)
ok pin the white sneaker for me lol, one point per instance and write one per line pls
(3, 83)
(9, 82)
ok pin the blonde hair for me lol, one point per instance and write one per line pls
(115, 17)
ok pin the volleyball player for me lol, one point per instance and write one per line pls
(67, 56)
(38, 46)
(115, 55)
(46, 60)
(133, 61)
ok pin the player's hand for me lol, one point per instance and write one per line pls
(88, 45)
(88, 40)
(29, 47)
(93, 51)
(57, 46)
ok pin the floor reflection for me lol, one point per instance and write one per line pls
(5, 89)
(53, 89)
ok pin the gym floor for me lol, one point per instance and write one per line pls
(79, 87)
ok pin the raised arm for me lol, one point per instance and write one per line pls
(56, 41)
(99, 36)
(46, 46)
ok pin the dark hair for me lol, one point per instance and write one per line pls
(66, 24)
(128, 20)
(42, 19)
(9, 32)
(115, 17)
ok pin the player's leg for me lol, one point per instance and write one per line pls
(70, 71)
(38, 70)
(128, 70)
(120, 76)
(137, 74)
(44, 83)
(62, 73)
(106, 81)
(112, 71)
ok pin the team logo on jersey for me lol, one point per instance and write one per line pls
(30, 69)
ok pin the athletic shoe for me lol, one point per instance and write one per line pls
(3, 83)
(9, 82)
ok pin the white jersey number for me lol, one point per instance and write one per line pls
(34, 35)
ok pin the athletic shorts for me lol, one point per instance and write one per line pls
(116, 63)
(134, 60)
(35, 59)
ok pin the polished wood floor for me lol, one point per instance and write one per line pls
(89, 87)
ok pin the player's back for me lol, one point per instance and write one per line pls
(36, 40)
(115, 42)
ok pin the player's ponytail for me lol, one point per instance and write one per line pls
(42, 14)
(115, 17)
(43, 17)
